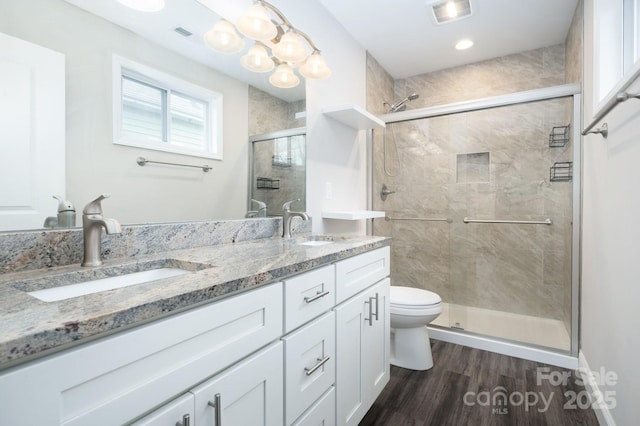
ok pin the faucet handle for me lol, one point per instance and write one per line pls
(95, 206)
(287, 205)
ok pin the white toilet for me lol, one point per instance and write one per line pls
(411, 310)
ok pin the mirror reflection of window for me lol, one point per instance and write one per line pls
(288, 151)
(281, 152)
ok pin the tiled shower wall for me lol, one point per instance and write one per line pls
(270, 114)
(515, 268)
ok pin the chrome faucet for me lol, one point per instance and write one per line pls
(92, 224)
(287, 214)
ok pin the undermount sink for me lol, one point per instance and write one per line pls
(96, 286)
(56, 287)
(316, 243)
(316, 240)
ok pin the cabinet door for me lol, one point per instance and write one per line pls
(377, 336)
(362, 352)
(178, 412)
(248, 393)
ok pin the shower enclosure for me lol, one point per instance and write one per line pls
(480, 200)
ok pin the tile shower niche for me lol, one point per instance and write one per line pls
(473, 167)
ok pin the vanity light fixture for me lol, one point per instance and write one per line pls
(144, 5)
(272, 31)
(284, 77)
(224, 38)
(257, 59)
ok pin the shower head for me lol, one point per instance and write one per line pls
(401, 106)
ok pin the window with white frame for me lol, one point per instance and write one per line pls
(617, 46)
(157, 111)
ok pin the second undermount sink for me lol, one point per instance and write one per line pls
(316, 243)
(53, 288)
(316, 240)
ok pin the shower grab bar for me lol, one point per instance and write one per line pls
(520, 222)
(142, 161)
(424, 219)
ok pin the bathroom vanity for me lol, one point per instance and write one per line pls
(273, 332)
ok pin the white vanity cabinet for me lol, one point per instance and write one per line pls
(362, 336)
(313, 349)
(116, 379)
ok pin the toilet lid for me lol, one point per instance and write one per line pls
(409, 296)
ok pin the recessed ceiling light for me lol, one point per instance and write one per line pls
(464, 44)
(445, 11)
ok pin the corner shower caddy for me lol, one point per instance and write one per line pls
(559, 136)
(561, 171)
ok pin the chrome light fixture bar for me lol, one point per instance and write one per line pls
(284, 40)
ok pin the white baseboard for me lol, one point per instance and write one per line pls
(603, 413)
(505, 348)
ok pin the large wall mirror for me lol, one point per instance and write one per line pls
(89, 33)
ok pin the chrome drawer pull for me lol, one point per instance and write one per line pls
(218, 408)
(186, 421)
(321, 362)
(317, 296)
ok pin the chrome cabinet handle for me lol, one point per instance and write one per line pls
(218, 408)
(377, 306)
(321, 362)
(186, 421)
(317, 296)
(370, 319)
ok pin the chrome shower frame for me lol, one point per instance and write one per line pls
(566, 359)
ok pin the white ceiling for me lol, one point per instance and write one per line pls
(400, 34)
(404, 39)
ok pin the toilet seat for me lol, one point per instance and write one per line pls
(409, 297)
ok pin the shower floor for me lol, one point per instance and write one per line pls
(540, 331)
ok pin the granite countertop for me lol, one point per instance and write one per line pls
(30, 328)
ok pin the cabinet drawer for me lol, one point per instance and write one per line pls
(323, 412)
(310, 364)
(359, 272)
(115, 379)
(174, 413)
(308, 295)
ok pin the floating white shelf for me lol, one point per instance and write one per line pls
(353, 214)
(354, 116)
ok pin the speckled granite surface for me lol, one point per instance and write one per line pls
(27, 250)
(30, 327)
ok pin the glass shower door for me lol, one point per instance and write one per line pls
(501, 177)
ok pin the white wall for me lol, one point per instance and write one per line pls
(94, 164)
(336, 154)
(611, 244)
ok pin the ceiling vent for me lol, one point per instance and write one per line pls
(183, 32)
(445, 11)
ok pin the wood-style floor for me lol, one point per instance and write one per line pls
(466, 386)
